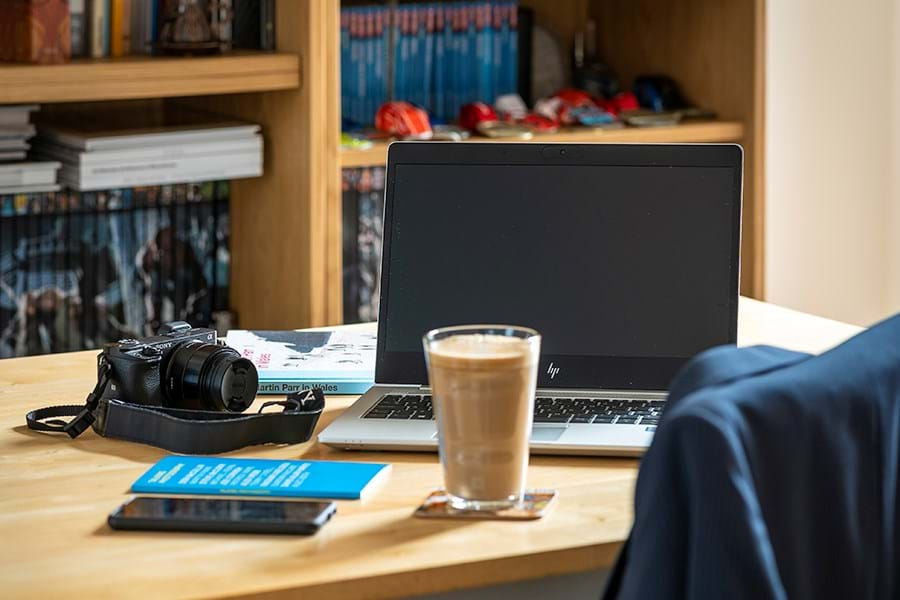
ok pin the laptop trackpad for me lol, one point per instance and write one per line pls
(546, 434)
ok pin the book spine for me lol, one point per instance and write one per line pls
(359, 85)
(369, 72)
(267, 25)
(394, 24)
(422, 79)
(345, 63)
(96, 12)
(512, 56)
(485, 92)
(353, 71)
(156, 488)
(404, 62)
(137, 13)
(107, 24)
(471, 87)
(497, 58)
(115, 27)
(415, 50)
(77, 24)
(181, 268)
(100, 249)
(380, 66)
(221, 23)
(428, 63)
(286, 386)
(438, 64)
(154, 7)
(125, 26)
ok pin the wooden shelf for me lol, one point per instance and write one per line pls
(134, 77)
(706, 131)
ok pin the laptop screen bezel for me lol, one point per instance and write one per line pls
(572, 372)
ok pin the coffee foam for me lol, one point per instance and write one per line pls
(480, 351)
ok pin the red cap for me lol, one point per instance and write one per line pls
(403, 120)
(470, 115)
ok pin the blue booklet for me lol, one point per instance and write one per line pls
(208, 475)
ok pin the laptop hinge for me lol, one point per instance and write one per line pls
(412, 386)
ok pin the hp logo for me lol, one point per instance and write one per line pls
(552, 371)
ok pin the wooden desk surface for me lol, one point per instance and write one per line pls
(55, 494)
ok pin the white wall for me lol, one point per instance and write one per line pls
(894, 212)
(833, 157)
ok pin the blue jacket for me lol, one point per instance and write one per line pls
(773, 474)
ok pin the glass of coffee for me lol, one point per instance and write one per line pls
(483, 379)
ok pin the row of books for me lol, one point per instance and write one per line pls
(437, 55)
(123, 148)
(363, 207)
(101, 28)
(79, 269)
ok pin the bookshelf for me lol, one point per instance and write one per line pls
(709, 131)
(286, 238)
(138, 77)
(714, 50)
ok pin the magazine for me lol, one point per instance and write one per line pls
(337, 361)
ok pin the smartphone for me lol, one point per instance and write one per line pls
(222, 515)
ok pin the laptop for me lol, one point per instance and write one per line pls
(625, 257)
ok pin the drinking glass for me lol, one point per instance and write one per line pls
(483, 380)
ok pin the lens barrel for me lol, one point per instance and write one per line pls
(203, 376)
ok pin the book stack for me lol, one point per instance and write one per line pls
(439, 56)
(15, 131)
(125, 149)
(28, 177)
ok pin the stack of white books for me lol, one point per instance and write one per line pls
(116, 149)
(15, 131)
(28, 177)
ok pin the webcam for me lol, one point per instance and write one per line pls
(560, 152)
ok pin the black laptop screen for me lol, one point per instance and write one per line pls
(626, 271)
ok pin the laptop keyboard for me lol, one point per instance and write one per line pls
(584, 411)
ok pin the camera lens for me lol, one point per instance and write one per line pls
(209, 377)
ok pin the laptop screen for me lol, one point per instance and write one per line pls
(627, 270)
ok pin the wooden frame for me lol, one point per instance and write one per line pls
(133, 77)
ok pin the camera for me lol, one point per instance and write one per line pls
(182, 367)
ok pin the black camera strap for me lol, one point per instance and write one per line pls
(84, 415)
(183, 431)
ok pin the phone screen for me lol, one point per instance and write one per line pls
(206, 514)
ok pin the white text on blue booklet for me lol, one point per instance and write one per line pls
(208, 475)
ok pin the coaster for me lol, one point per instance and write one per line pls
(534, 506)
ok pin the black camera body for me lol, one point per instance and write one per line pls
(182, 367)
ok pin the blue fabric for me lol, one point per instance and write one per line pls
(773, 474)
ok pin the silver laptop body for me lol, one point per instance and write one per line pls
(656, 282)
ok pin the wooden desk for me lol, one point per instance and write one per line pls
(55, 494)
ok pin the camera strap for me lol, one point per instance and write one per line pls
(183, 431)
(84, 415)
